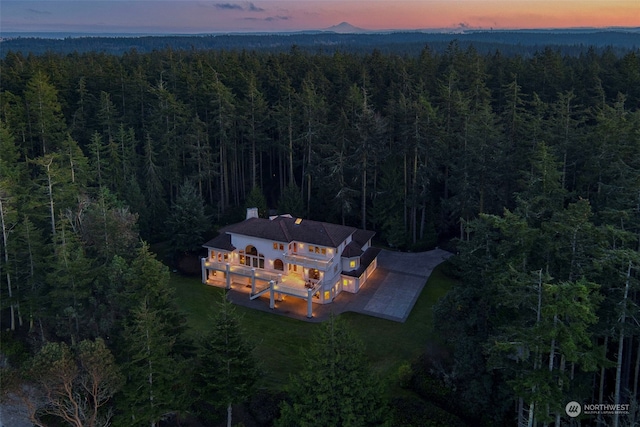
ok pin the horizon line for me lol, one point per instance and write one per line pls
(356, 30)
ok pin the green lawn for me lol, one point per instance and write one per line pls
(279, 339)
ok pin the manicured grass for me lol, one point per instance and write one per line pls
(279, 340)
(390, 344)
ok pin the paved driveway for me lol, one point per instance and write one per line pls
(398, 282)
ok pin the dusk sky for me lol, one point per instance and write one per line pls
(188, 16)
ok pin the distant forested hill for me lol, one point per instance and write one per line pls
(507, 42)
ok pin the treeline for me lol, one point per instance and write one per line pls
(532, 163)
(407, 146)
(524, 43)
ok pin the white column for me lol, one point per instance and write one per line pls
(228, 275)
(309, 303)
(204, 270)
(272, 302)
(253, 281)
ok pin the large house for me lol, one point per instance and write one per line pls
(286, 256)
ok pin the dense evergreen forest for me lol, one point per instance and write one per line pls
(527, 167)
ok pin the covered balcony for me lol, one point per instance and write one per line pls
(296, 287)
(309, 262)
(228, 269)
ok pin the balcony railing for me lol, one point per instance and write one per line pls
(302, 292)
(305, 261)
(241, 270)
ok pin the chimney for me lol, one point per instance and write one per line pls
(252, 213)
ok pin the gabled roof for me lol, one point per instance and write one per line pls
(287, 229)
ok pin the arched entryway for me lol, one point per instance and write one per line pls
(278, 265)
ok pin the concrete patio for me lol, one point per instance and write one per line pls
(390, 293)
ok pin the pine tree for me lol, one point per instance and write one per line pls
(156, 377)
(11, 172)
(256, 199)
(291, 202)
(70, 281)
(187, 221)
(45, 114)
(227, 371)
(336, 387)
(253, 119)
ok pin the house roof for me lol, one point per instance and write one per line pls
(286, 229)
(222, 241)
(366, 260)
(363, 236)
(352, 250)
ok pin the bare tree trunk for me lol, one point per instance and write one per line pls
(636, 373)
(31, 270)
(6, 265)
(50, 192)
(623, 319)
(290, 136)
(602, 377)
(562, 369)
(530, 421)
(520, 410)
(309, 180)
(405, 205)
(364, 191)
(423, 218)
(414, 196)
(537, 362)
(223, 178)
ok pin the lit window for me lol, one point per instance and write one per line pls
(281, 247)
(345, 282)
(324, 251)
(275, 245)
(310, 248)
(317, 250)
(352, 264)
(327, 295)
